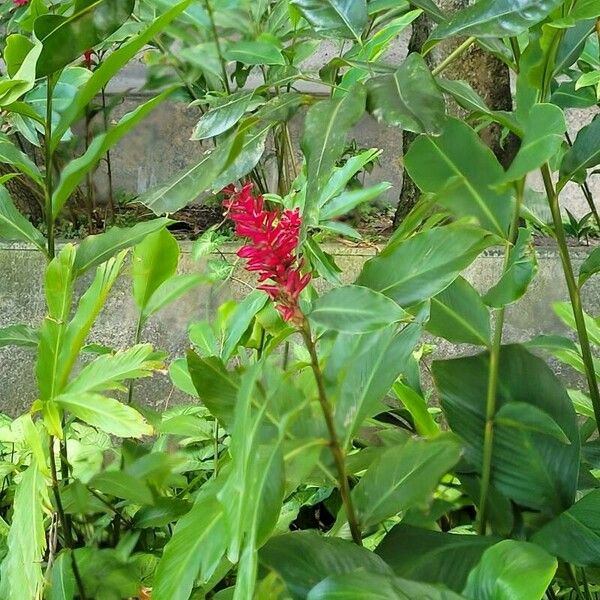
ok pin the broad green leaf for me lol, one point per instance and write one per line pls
(374, 586)
(408, 98)
(422, 266)
(369, 369)
(109, 67)
(21, 574)
(14, 226)
(349, 200)
(571, 46)
(256, 52)
(23, 81)
(511, 570)
(433, 556)
(302, 559)
(154, 261)
(327, 124)
(108, 414)
(65, 39)
(19, 335)
(463, 172)
(459, 315)
(567, 96)
(11, 155)
(590, 266)
(180, 376)
(495, 18)
(240, 320)
(584, 154)
(216, 387)
(583, 10)
(122, 485)
(416, 405)
(355, 309)
(73, 173)
(335, 18)
(222, 115)
(574, 535)
(16, 50)
(464, 95)
(108, 371)
(521, 269)
(62, 582)
(169, 291)
(544, 129)
(564, 311)
(403, 477)
(196, 548)
(529, 465)
(96, 249)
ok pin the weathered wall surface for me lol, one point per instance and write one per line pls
(22, 301)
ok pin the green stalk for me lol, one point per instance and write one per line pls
(334, 444)
(48, 160)
(456, 53)
(492, 387)
(215, 33)
(137, 338)
(574, 295)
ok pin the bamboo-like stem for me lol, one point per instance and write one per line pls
(492, 387)
(574, 294)
(334, 444)
(48, 160)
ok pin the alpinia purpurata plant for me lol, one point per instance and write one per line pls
(311, 460)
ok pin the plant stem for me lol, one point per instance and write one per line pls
(48, 160)
(64, 521)
(334, 444)
(215, 33)
(574, 295)
(456, 53)
(138, 335)
(492, 387)
(111, 194)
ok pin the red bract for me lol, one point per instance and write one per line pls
(20, 2)
(272, 249)
(87, 59)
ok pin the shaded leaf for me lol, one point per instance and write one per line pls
(335, 18)
(14, 226)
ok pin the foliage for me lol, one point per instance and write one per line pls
(310, 461)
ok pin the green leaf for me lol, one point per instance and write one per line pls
(408, 98)
(14, 226)
(564, 311)
(11, 155)
(544, 129)
(567, 96)
(21, 573)
(373, 586)
(584, 154)
(583, 10)
(108, 371)
(519, 273)
(335, 18)
(590, 266)
(416, 405)
(122, 485)
(302, 559)
(109, 67)
(403, 477)
(325, 129)
(529, 466)
(464, 95)
(459, 315)
(495, 18)
(215, 385)
(413, 270)
(19, 335)
(16, 50)
(255, 52)
(349, 200)
(196, 547)
(154, 261)
(62, 582)
(222, 115)
(511, 570)
(108, 414)
(73, 173)
(463, 173)
(65, 39)
(23, 81)
(172, 289)
(96, 249)
(355, 309)
(574, 535)
(367, 369)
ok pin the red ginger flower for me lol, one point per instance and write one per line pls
(20, 2)
(271, 252)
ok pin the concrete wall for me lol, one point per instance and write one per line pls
(22, 301)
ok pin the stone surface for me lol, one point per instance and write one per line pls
(22, 302)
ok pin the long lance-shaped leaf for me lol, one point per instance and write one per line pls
(14, 226)
(109, 67)
(76, 170)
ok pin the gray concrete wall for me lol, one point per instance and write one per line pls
(22, 301)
